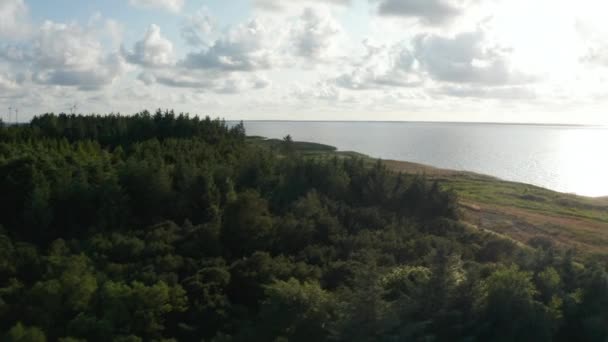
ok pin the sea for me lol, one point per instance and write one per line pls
(571, 159)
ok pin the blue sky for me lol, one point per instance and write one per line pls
(136, 20)
(431, 60)
(67, 10)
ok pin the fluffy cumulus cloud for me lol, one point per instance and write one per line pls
(198, 28)
(434, 12)
(467, 64)
(169, 5)
(153, 50)
(314, 33)
(263, 42)
(223, 62)
(416, 55)
(466, 58)
(69, 55)
(382, 67)
(13, 19)
(319, 91)
(246, 47)
(7, 84)
(259, 44)
(64, 55)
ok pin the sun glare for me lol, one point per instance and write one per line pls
(582, 168)
(541, 35)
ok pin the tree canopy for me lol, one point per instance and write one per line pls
(165, 227)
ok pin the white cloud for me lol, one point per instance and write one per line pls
(427, 55)
(228, 64)
(501, 93)
(103, 73)
(433, 12)
(276, 5)
(177, 78)
(320, 91)
(67, 55)
(114, 31)
(198, 28)
(591, 32)
(382, 67)
(13, 19)
(147, 78)
(15, 53)
(314, 33)
(236, 85)
(246, 47)
(596, 55)
(464, 65)
(262, 43)
(153, 50)
(170, 5)
(7, 83)
(466, 58)
(204, 80)
(66, 46)
(595, 49)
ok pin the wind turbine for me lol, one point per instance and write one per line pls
(8, 119)
(16, 116)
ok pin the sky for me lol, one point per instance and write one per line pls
(541, 61)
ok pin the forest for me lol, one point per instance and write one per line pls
(170, 227)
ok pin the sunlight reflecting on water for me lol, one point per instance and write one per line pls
(583, 162)
(561, 158)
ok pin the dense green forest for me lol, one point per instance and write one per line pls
(165, 227)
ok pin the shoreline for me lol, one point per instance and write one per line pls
(522, 211)
(516, 210)
(429, 169)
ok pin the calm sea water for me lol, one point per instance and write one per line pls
(563, 158)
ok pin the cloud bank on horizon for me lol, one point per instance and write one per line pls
(469, 60)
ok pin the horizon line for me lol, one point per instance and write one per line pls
(556, 124)
(433, 122)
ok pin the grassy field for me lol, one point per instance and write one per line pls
(523, 211)
(519, 211)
